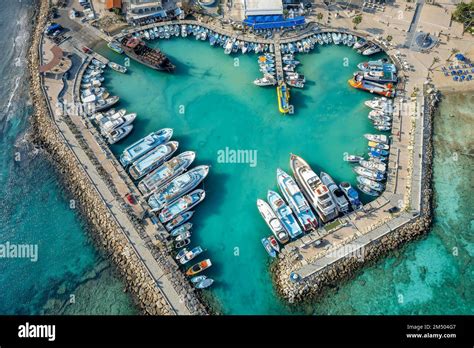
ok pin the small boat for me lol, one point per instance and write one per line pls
(115, 46)
(336, 193)
(181, 253)
(283, 98)
(353, 158)
(117, 67)
(272, 221)
(179, 220)
(379, 138)
(144, 145)
(374, 175)
(181, 229)
(188, 256)
(182, 205)
(360, 43)
(378, 103)
(267, 80)
(198, 279)
(199, 267)
(384, 89)
(284, 213)
(115, 123)
(152, 159)
(351, 195)
(182, 236)
(118, 134)
(374, 185)
(368, 191)
(377, 156)
(372, 50)
(372, 165)
(383, 128)
(182, 243)
(380, 151)
(205, 283)
(268, 247)
(274, 244)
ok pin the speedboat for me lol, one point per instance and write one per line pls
(379, 64)
(372, 165)
(374, 185)
(182, 243)
(296, 200)
(353, 158)
(182, 236)
(188, 256)
(336, 193)
(152, 159)
(144, 145)
(284, 213)
(372, 50)
(272, 221)
(377, 156)
(182, 205)
(179, 220)
(205, 283)
(123, 121)
(167, 171)
(374, 175)
(274, 244)
(181, 253)
(199, 267)
(379, 138)
(118, 134)
(378, 145)
(313, 189)
(351, 195)
(198, 279)
(181, 229)
(177, 187)
(368, 191)
(268, 247)
(380, 151)
(267, 80)
(117, 67)
(360, 43)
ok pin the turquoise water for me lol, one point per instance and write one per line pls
(223, 109)
(69, 276)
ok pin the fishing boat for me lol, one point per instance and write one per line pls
(139, 51)
(295, 83)
(336, 193)
(380, 151)
(372, 165)
(274, 244)
(359, 82)
(374, 185)
(267, 80)
(296, 200)
(117, 67)
(351, 195)
(144, 145)
(179, 220)
(198, 267)
(182, 205)
(313, 189)
(283, 98)
(198, 279)
(373, 175)
(353, 158)
(166, 172)
(177, 187)
(378, 145)
(115, 46)
(284, 213)
(182, 236)
(378, 138)
(181, 229)
(182, 243)
(118, 134)
(266, 244)
(204, 283)
(188, 256)
(152, 159)
(368, 191)
(272, 221)
(378, 103)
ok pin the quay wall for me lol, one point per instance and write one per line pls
(314, 286)
(108, 234)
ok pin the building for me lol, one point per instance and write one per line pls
(263, 7)
(268, 14)
(113, 4)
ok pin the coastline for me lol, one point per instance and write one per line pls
(45, 134)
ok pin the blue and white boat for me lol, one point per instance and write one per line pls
(336, 193)
(177, 187)
(166, 172)
(296, 200)
(371, 174)
(272, 221)
(191, 254)
(152, 159)
(144, 145)
(182, 205)
(284, 213)
(351, 194)
(179, 220)
(205, 283)
(268, 247)
(374, 185)
(181, 229)
(379, 151)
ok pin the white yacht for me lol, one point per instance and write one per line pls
(272, 221)
(336, 193)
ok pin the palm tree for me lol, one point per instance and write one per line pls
(356, 20)
(453, 52)
(435, 60)
(319, 16)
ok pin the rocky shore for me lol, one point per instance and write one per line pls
(106, 230)
(345, 268)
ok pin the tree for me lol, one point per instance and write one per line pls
(319, 16)
(389, 38)
(435, 60)
(357, 20)
(453, 52)
(464, 14)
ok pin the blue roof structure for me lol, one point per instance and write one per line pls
(460, 57)
(271, 22)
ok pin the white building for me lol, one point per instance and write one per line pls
(263, 7)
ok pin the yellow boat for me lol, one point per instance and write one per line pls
(283, 98)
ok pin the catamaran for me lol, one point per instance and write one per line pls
(313, 189)
(272, 221)
(152, 159)
(296, 200)
(144, 145)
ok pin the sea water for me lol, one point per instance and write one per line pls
(67, 275)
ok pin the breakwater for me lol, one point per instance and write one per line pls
(346, 267)
(108, 233)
